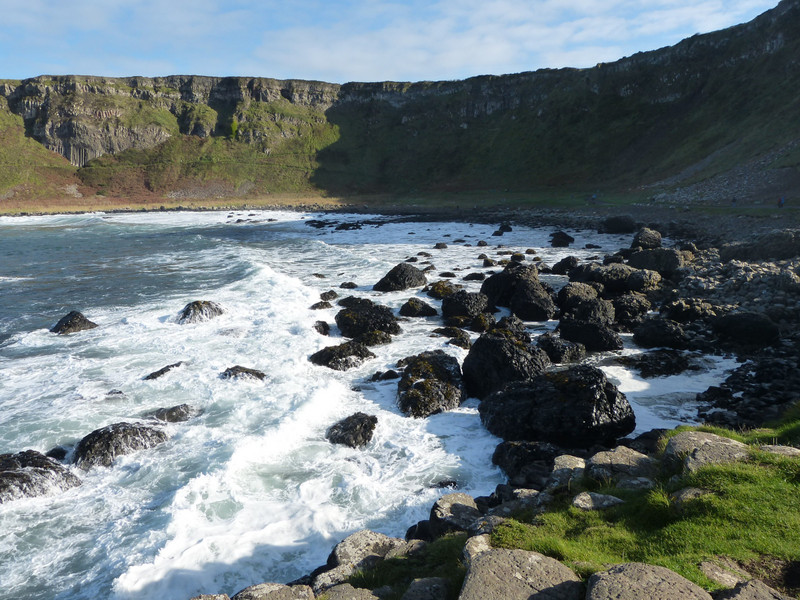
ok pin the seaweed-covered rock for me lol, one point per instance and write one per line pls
(198, 311)
(496, 359)
(441, 289)
(102, 446)
(401, 277)
(578, 407)
(361, 315)
(415, 307)
(431, 383)
(354, 431)
(30, 473)
(342, 356)
(72, 323)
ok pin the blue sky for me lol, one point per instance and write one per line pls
(343, 40)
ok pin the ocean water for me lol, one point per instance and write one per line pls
(250, 490)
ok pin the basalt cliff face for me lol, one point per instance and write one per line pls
(677, 115)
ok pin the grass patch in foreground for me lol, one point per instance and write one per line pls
(441, 558)
(753, 512)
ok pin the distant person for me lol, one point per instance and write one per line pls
(781, 202)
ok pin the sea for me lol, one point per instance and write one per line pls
(250, 490)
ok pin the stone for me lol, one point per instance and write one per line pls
(162, 371)
(500, 287)
(464, 303)
(373, 338)
(577, 407)
(240, 372)
(275, 591)
(30, 473)
(665, 261)
(199, 311)
(560, 350)
(402, 277)
(527, 464)
(723, 571)
(509, 574)
(565, 265)
(617, 278)
(618, 224)
(496, 359)
(354, 431)
(103, 445)
(453, 512)
(630, 309)
(415, 307)
(441, 289)
(345, 591)
(328, 296)
(593, 501)
(658, 332)
(322, 328)
(594, 336)
(431, 383)
(342, 356)
(476, 545)
(176, 414)
(532, 302)
(695, 449)
(360, 315)
(561, 239)
(647, 239)
(684, 495)
(635, 581)
(429, 588)
(752, 590)
(747, 328)
(620, 464)
(781, 450)
(73, 322)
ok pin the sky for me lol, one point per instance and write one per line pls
(343, 40)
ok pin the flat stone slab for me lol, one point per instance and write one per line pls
(594, 501)
(620, 463)
(502, 574)
(430, 588)
(275, 591)
(752, 590)
(781, 450)
(695, 449)
(636, 581)
(346, 591)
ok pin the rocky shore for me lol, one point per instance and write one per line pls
(564, 425)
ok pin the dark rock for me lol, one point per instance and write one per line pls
(464, 304)
(458, 337)
(373, 338)
(103, 445)
(518, 257)
(198, 311)
(532, 302)
(453, 512)
(593, 310)
(561, 239)
(58, 453)
(162, 371)
(683, 310)
(658, 332)
(431, 383)
(238, 371)
(618, 224)
(500, 287)
(666, 261)
(176, 414)
(72, 323)
(565, 265)
(482, 243)
(647, 239)
(440, 246)
(578, 407)
(322, 328)
(322, 305)
(774, 245)
(505, 228)
(527, 464)
(354, 431)
(630, 309)
(448, 274)
(385, 375)
(617, 278)
(746, 328)
(328, 296)
(28, 474)
(348, 285)
(441, 289)
(482, 323)
(497, 233)
(573, 294)
(401, 277)
(475, 277)
(496, 359)
(342, 357)
(362, 315)
(514, 327)
(420, 531)
(560, 350)
(658, 363)
(596, 337)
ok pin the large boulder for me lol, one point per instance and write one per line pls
(774, 245)
(692, 450)
(574, 294)
(501, 573)
(593, 310)
(342, 357)
(431, 383)
(746, 328)
(30, 473)
(560, 239)
(618, 224)
(532, 302)
(630, 309)
(560, 350)
(275, 591)
(527, 464)
(464, 304)
(647, 239)
(752, 590)
(596, 337)
(500, 287)
(453, 512)
(402, 277)
(360, 316)
(354, 431)
(666, 261)
(415, 307)
(634, 581)
(497, 358)
(617, 278)
(198, 311)
(102, 446)
(658, 332)
(577, 407)
(72, 323)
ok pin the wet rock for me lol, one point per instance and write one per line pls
(746, 328)
(532, 302)
(594, 336)
(560, 350)
(354, 431)
(527, 464)
(440, 246)
(402, 277)
(322, 328)
(342, 357)
(565, 265)
(199, 311)
(162, 371)
(453, 512)
(647, 239)
(501, 573)
(658, 332)
(630, 309)
(239, 372)
(617, 278)
(475, 277)
(634, 581)
(29, 473)
(176, 414)
(102, 446)
(458, 337)
(415, 307)
(361, 316)
(348, 285)
(464, 303)
(618, 224)
(666, 261)
(431, 383)
(441, 289)
(684, 310)
(561, 239)
(496, 359)
(328, 296)
(500, 287)
(574, 294)
(659, 363)
(577, 407)
(322, 305)
(72, 323)
(592, 310)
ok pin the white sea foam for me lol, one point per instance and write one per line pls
(250, 490)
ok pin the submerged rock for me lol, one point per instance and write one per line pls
(237, 372)
(415, 307)
(431, 383)
(30, 473)
(162, 371)
(354, 431)
(198, 311)
(342, 357)
(103, 445)
(176, 414)
(72, 323)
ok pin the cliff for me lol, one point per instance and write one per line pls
(678, 115)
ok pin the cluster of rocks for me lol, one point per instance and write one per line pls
(505, 573)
